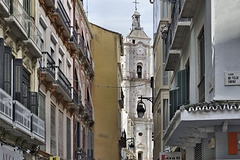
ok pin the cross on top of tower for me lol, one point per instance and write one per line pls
(136, 2)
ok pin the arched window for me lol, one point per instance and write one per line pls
(139, 71)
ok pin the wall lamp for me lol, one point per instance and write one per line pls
(141, 107)
(151, 1)
(123, 141)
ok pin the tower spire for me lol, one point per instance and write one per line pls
(136, 2)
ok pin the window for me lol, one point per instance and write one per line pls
(77, 132)
(139, 71)
(201, 85)
(42, 30)
(90, 145)
(26, 88)
(68, 139)
(140, 155)
(60, 134)
(42, 114)
(53, 131)
(165, 113)
(183, 87)
(6, 69)
(26, 6)
(83, 138)
(133, 41)
(164, 73)
(165, 9)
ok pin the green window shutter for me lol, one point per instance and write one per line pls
(18, 79)
(183, 87)
(173, 102)
(26, 6)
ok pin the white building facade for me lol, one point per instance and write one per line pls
(203, 57)
(137, 72)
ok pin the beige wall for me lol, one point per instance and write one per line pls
(105, 48)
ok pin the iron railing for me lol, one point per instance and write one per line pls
(63, 81)
(64, 15)
(48, 64)
(74, 37)
(75, 96)
(7, 3)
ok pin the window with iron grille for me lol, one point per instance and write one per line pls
(198, 151)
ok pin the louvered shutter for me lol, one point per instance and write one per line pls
(53, 131)
(183, 87)
(68, 139)
(7, 69)
(34, 102)
(83, 138)
(1, 61)
(18, 87)
(173, 102)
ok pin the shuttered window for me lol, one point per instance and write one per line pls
(68, 139)
(90, 144)
(183, 87)
(26, 6)
(18, 87)
(26, 89)
(201, 86)
(83, 138)
(173, 102)
(77, 133)
(42, 114)
(5, 70)
(53, 131)
(60, 134)
(34, 102)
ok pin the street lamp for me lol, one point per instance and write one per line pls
(141, 107)
(123, 140)
(151, 1)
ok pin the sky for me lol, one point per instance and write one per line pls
(116, 15)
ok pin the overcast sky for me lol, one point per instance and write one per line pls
(116, 15)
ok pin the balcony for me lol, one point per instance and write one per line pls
(62, 20)
(172, 59)
(47, 3)
(75, 98)
(19, 120)
(48, 67)
(189, 7)
(5, 8)
(6, 109)
(18, 20)
(180, 26)
(38, 128)
(63, 85)
(74, 39)
(34, 40)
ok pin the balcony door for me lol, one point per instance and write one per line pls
(26, 88)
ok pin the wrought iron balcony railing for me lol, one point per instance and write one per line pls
(48, 64)
(63, 81)
(75, 96)
(74, 37)
(64, 16)
(6, 107)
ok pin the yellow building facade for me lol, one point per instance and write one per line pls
(107, 46)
